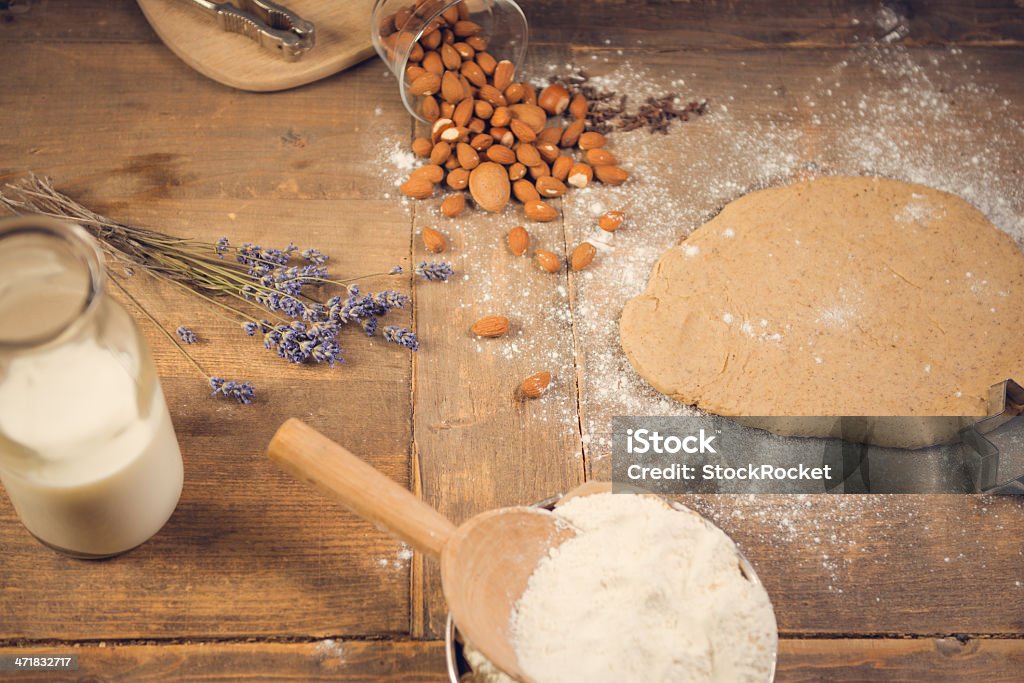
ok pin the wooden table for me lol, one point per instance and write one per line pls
(255, 577)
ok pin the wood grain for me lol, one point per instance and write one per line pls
(398, 661)
(478, 445)
(342, 40)
(626, 23)
(152, 128)
(845, 660)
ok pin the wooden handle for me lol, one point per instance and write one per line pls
(309, 456)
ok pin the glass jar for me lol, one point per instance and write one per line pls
(88, 455)
(398, 25)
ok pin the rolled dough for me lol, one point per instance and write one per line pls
(836, 296)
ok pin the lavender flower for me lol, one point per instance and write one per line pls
(402, 337)
(187, 335)
(397, 270)
(298, 342)
(243, 392)
(436, 270)
(250, 328)
(222, 247)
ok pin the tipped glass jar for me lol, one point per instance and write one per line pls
(437, 49)
(88, 455)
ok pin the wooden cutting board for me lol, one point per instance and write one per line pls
(342, 40)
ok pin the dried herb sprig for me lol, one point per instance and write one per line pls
(273, 292)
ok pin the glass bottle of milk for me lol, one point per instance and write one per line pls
(88, 455)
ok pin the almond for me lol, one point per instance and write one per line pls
(591, 140)
(572, 133)
(611, 221)
(481, 141)
(525, 191)
(552, 134)
(580, 175)
(540, 211)
(465, 50)
(611, 175)
(417, 188)
(561, 166)
(504, 74)
(522, 131)
(501, 118)
(548, 151)
(451, 87)
(583, 255)
(490, 326)
(549, 186)
(430, 109)
(442, 150)
(487, 63)
(514, 93)
(427, 84)
(554, 99)
(490, 187)
(463, 112)
(464, 29)
(534, 386)
(548, 261)
(516, 171)
(458, 179)
(439, 127)
(431, 172)
(531, 115)
(483, 110)
(468, 157)
(453, 205)
(539, 170)
(433, 240)
(528, 154)
(600, 157)
(474, 74)
(518, 240)
(501, 154)
(489, 93)
(422, 147)
(579, 107)
(450, 57)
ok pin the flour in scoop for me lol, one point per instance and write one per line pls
(643, 592)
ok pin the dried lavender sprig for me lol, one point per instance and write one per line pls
(186, 335)
(402, 337)
(243, 392)
(436, 270)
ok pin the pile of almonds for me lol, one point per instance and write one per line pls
(491, 134)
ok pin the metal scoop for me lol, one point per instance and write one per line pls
(485, 563)
(272, 26)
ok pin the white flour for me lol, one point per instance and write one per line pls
(642, 593)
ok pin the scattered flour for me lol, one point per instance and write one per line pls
(643, 592)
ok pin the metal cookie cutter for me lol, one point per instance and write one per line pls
(996, 474)
(273, 26)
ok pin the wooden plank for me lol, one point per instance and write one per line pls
(940, 660)
(148, 127)
(477, 444)
(841, 660)
(768, 23)
(249, 551)
(324, 660)
(651, 23)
